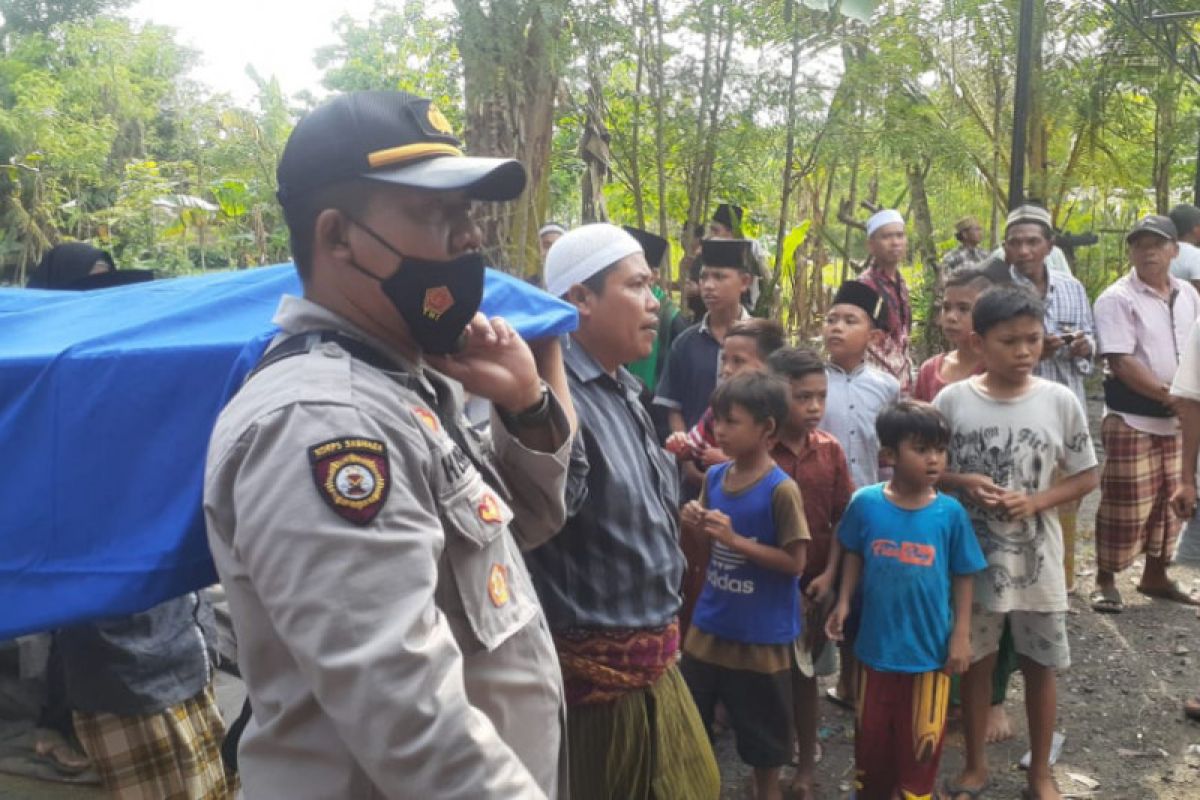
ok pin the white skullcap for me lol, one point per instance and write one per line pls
(881, 218)
(582, 252)
(551, 227)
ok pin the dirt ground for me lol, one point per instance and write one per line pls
(1119, 703)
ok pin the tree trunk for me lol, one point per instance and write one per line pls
(511, 65)
(1166, 106)
(635, 165)
(922, 219)
(660, 147)
(790, 153)
(1038, 151)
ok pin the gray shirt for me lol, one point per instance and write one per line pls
(390, 639)
(854, 400)
(617, 562)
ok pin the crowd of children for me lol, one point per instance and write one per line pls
(919, 546)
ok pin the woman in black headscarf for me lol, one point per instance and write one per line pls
(65, 265)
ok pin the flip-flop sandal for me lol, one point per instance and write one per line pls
(1107, 601)
(831, 694)
(55, 751)
(954, 792)
(1174, 593)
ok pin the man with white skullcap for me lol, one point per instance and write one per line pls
(888, 244)
(548, 234)
(609, 581)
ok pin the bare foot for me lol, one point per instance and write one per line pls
(999, 729)
(802, 787)
(1042, 788)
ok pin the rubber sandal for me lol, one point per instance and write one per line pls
(832, 696)
(55, 751)
(955, 792)
(1173, 593)
(1191, 708)
(1107, 600)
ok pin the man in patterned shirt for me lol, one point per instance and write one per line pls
(888, 244)
(969, 234)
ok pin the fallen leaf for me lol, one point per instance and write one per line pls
(1084, 780)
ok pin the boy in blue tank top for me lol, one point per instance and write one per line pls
(739, 648)
(915, 553)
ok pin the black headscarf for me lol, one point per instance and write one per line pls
(66, 264)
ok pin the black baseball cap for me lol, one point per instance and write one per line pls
(392, 137)
(654, 246)
(1156, 224)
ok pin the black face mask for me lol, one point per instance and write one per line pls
(436, 299)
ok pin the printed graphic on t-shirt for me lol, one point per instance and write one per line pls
(1018, 459)
(912, 553)
(721, 564)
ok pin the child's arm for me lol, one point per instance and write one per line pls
(1020, 506)
(820, 587)
(979, 489)
(788, 559)
(852, 564)
(958, 659)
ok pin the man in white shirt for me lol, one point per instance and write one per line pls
(1186, 265)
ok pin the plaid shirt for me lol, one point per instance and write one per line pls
(962, 256)
(1067, 309)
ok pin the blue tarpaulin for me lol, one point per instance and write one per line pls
(107, 399)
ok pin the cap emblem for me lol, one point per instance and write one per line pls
(438, 120)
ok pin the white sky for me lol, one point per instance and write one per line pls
(278, 37)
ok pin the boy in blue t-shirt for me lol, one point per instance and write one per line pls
(915, 553)
(738, 649)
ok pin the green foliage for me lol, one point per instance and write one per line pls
(104, 137)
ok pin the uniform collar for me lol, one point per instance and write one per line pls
(300, 315)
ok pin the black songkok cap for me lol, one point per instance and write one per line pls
(726, 253)
(729, 215)
(654, 246)
(857, 293)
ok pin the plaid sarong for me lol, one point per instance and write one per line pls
(172, 755)
(1141, 472)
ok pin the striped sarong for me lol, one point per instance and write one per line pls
(1141, 472)
(646, 745)
(172, 755)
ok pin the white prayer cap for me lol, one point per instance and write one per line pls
(582, 252)
(551, 227)
(881, 218)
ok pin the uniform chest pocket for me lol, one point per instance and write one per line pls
(490, 578)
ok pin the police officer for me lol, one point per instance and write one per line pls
(390, 639)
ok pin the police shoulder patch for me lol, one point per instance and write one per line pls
(352, 476)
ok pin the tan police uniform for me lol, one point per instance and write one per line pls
(388, 632)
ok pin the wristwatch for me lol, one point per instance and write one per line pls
(533, 417)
